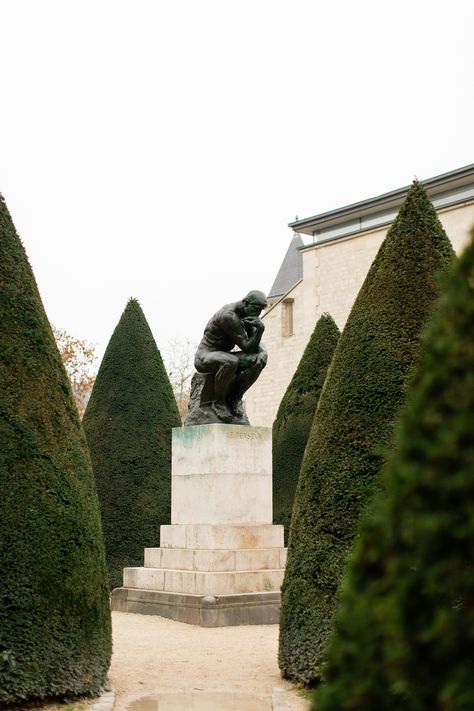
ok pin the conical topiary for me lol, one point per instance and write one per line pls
(354, 422)
(55, 635)
(405, 629)
(128, 424)
(295, 415)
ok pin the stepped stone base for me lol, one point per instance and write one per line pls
(206, 611)
(203, 575)
(221, 561)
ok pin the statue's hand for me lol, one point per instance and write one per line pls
(255, 322)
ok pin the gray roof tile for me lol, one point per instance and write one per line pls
(291, 269)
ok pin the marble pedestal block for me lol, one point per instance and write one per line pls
(221, 474)
(221, 561)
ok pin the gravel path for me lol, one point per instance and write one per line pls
(156, 655)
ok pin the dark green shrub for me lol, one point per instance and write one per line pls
(128, 425)
(363, 392)
(55, 635)
(405, 629)
(295, 415)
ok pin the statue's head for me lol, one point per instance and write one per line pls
(254, 302)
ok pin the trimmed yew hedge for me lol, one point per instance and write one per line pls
(405, 629)
(55, 635)
(128, 424)
(295, 415)
(353, 424)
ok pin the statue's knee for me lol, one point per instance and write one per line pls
(257, 367)
(230, 365)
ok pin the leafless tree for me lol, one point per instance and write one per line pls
(78, 357)
(179, 362)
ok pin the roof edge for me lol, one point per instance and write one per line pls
(282, 297)
(430, 183)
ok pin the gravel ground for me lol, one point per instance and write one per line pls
(155, 655)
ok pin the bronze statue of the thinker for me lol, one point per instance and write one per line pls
(224, 374)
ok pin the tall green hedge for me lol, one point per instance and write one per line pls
(353, 424)
(405, 629)
(128, 424)
(295, 415)
(55, 635)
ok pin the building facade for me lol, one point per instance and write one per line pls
(324, 271)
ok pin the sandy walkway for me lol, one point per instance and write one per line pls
(153, 654)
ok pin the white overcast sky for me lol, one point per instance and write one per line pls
(159, 148)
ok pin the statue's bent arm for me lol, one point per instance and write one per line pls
(233, 327)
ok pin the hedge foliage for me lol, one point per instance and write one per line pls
(295, 415)
(363, 392)
(55, 635)
(128, 424)
(405, 629)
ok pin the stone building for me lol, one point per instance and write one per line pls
(325, 265)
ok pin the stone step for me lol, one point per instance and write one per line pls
(215, 560)
(207, 611)
(203, 583)
(221, 537)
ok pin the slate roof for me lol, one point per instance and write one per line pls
(291, 269)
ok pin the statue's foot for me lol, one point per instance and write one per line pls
(237, 408)
(221, 412)
(239, 416)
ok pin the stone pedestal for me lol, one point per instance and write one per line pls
(221, 561)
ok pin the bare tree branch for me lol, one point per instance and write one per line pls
(78, 357)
